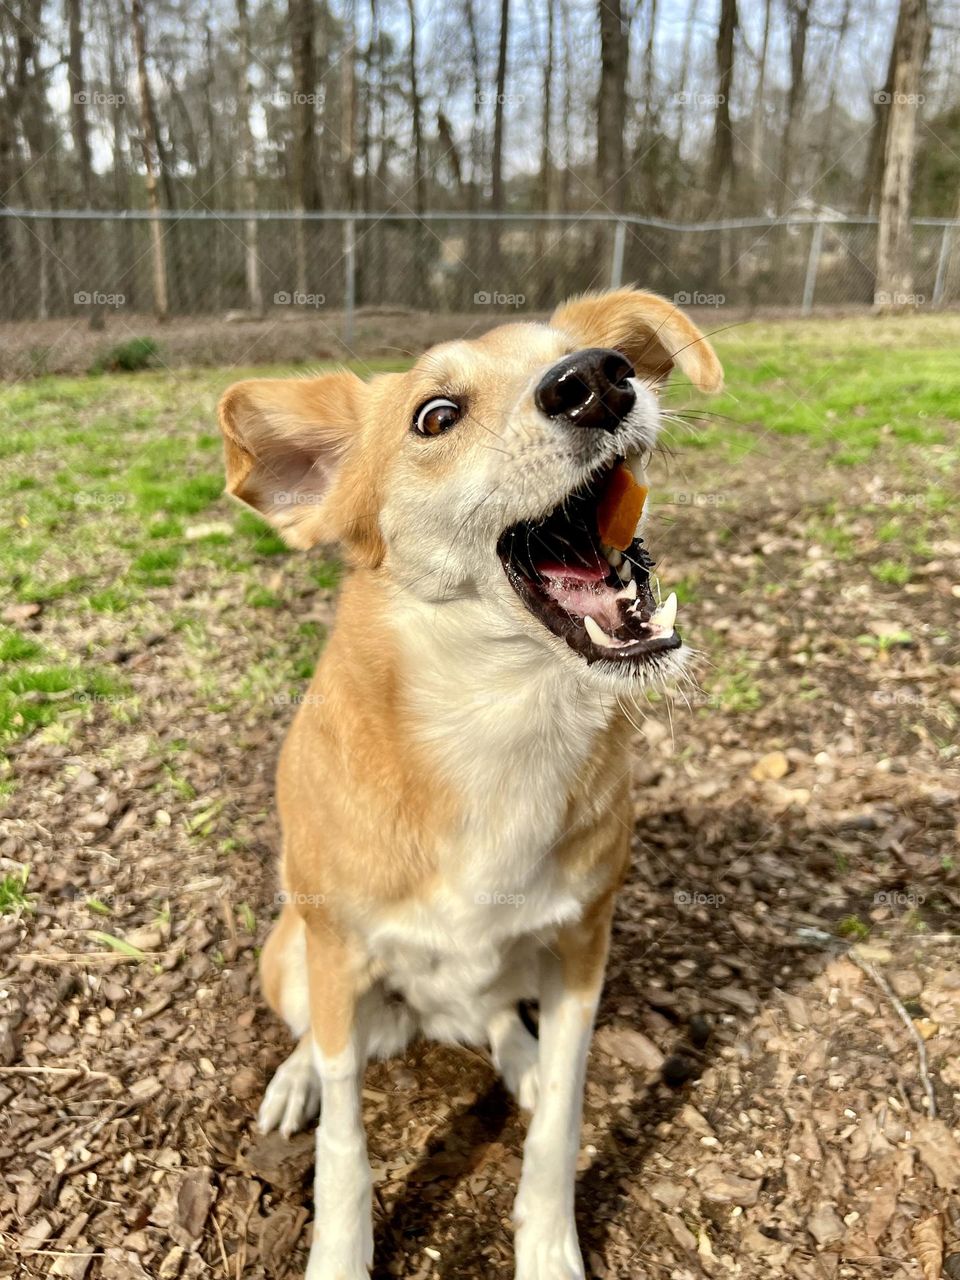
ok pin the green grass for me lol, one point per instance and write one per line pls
(13, 893)
(852, 386)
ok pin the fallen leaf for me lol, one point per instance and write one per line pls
(928, 1242)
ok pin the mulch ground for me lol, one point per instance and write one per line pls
(774, 1085)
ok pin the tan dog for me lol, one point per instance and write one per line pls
(454, 791)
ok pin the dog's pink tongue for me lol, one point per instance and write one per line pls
(585, 570)
(577, 588)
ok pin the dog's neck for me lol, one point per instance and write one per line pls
(510, 726)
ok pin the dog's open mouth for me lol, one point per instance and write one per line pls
(597, 598)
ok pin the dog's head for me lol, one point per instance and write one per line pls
(494, 475)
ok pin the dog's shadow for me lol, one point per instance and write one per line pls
(796, 881)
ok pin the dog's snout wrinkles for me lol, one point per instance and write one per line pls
(589, 389)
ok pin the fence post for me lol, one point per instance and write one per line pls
(813, 264)
(350, 279)
(940, 284)
(616, 264)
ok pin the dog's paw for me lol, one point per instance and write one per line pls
(335, 1267)
(292, 1098)
(341, 1253)
(548, 1250)
(523, 1080)
(516, 1055)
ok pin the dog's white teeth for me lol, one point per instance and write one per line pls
(597, 634)
(666, 615)
(613, 556)
(634, 463)
(625, 571)
(629, 592)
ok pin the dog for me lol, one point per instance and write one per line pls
(454, 789)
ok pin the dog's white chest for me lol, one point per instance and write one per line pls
(463, 953)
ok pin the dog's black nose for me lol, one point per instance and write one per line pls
(589, 389)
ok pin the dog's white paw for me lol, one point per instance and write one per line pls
(547, 1249)
(292, 1098)
(516, 1055)
(323, 1265)
(342, 1246)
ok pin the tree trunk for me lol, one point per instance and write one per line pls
(78, 101)
(544, 231)
(348, 107)
(476, 131)
(148, 143)
(798, 19)
(873, 178)
(759, 109)
(496, 177)
(303, 62)
(894, 234)
(251, 228)
(415, 113)
(686, 60)
(721, 167)
(611, 103)
(496, 162)
(546, 151)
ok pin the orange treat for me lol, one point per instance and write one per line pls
(620, 508)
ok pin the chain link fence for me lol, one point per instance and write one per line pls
(198, 263)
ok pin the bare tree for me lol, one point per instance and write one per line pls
(416, 112)
(78, 101)
(546, 118)
(496, 177)
(348, 106)
(303, 101)
(759, 109)
(873, 176)
(248, 163)
(148, 146)
(894, 234)
(611, 102)
(798, 20)
(721, 167)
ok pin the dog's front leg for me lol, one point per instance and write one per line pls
(571, 976)
(342, 1246)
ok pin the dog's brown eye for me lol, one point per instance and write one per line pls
(436, 416)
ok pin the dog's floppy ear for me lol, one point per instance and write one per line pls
(649, 330)
(290, 447)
